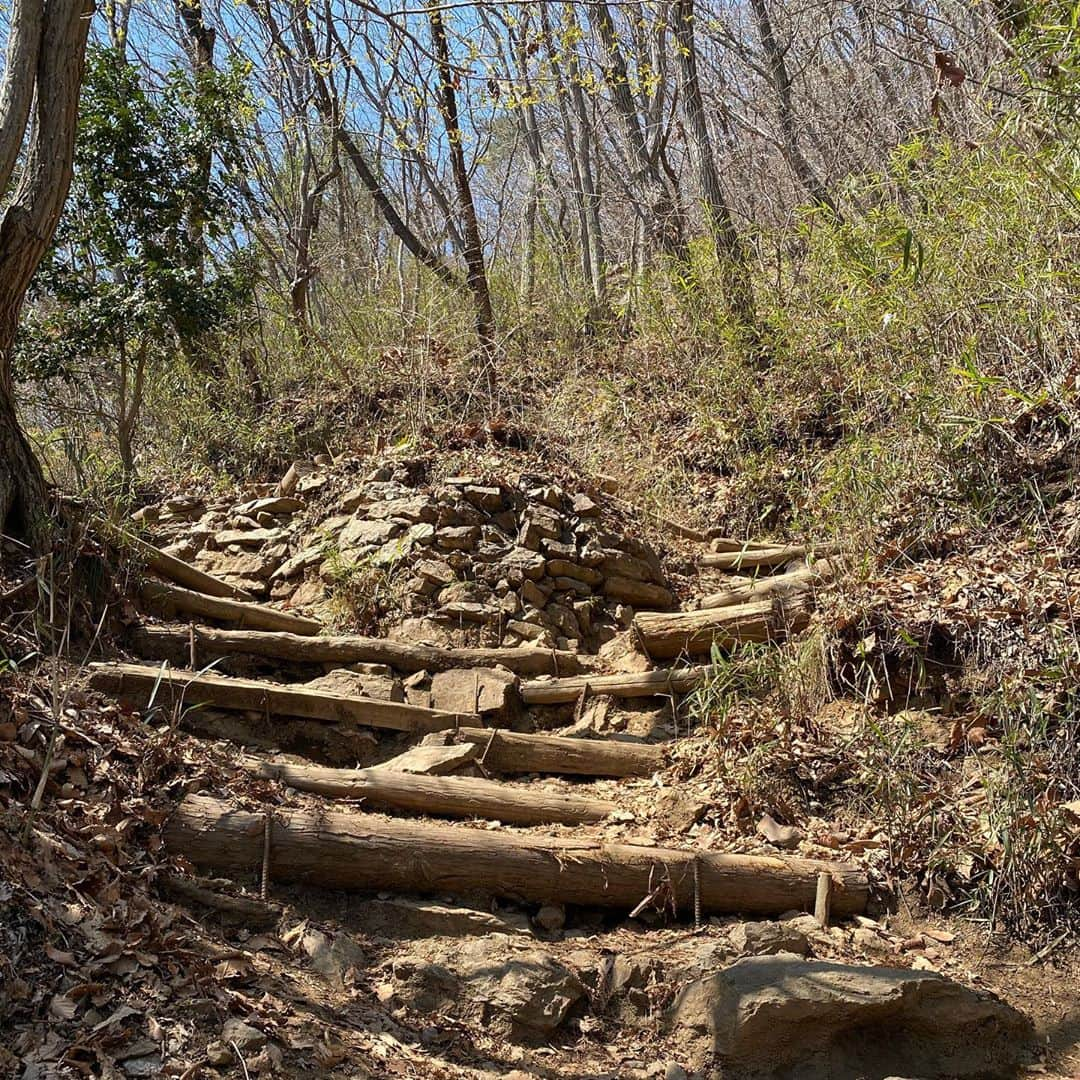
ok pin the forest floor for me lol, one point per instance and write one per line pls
(874, 734)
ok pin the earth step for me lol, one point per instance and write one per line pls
(169, 643)
(174, 569)
(782, 1016)
(186, 689)
(512, 752)
(622, 685)
(798, 581)
(761, 557)
(665, 635)
(161, 597)
(442, 796)
(361, 851)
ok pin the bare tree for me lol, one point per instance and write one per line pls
(46, 52)
(729, 249)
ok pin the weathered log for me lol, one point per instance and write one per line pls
(511, 752)
(250, 911)
(172, 568)
(798, 581)
(751, 558)
(162, 597)
(190, 688)
(623, 685)
(664, 635)
(168, 643)
(442, 796)
(354, 851)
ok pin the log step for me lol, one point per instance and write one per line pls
(161, 597)
(665, 635)
(357, 851)
(512, 752)
(753, 558)
(171, 643)
(449, 796)
(622, 685)
(186, 689)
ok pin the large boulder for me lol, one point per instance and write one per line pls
(781, 1016)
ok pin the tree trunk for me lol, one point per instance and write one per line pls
(781, 80)
(475, 270)
(48, 44)
(730, 253)
(359, 851)
(171, 598)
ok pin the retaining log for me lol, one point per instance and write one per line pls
(162, 597)
(441, 796)
(798, 581)
(752, 558)
(511, 752)
(357, 851)
(664, 635)
(622, 685)
(186, 689)
(169, 643)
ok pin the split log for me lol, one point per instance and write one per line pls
(169, 643)
(351, 851)
(623, 685)
(798, 581)
(172, 568)
(664, 635)
(159, 596)
(186, 689)
(719, 542)
(249, 911)
(752, 558)
(511, 752)
(442, 796)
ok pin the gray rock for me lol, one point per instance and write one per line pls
(768, 938)
(363, 533)
(522, 564)
(244, 1035)
(779, 1016)
(641, 594)
(458, 538)
(413, 509)
(492, 692)
(522, 993)
(551, 917)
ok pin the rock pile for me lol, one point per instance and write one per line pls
(509, 563)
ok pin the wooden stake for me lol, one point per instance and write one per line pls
(823, 899)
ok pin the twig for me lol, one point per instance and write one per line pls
(240, 1058)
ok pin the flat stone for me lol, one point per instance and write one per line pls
(780, 1016)
(432, 760)
(519, 563)
(641, 594)
(437, 572)
(379, 687)
(621, 563)
(489, 691)
(487, 498)
(567, 568)
(768, 938)
(458, 538)
(249, 537)
(417, 508)
(469, 611)
(275, 505)
(360, 532)
(583, 506)
(244, 1035)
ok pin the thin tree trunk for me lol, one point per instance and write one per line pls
(729, 249)
(50, 43)
(475, 270)
(781, 80)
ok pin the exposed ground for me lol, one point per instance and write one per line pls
(862, 732)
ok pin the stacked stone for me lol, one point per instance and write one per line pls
(524, 563)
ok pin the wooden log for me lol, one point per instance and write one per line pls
(172, 568)
(719, 542)
(798, 581)
(512, 752)
(166, 643)
(352, 851)
(246, 910)
(442, 796)
(159, 596)
(623, 685)
(190, 688)
(664, 635)
(752, 558)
